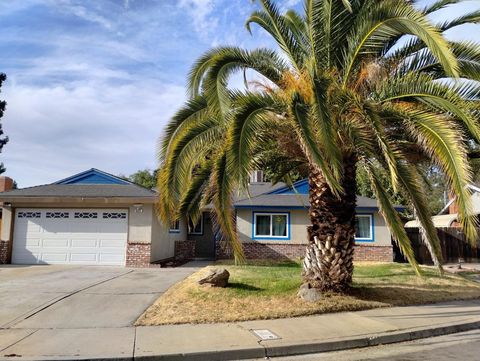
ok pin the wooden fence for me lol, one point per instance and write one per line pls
(453, 242)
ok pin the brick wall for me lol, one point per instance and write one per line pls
(5, 252)
(138, 255)
(373, 253)
(279, 251)
(184, 250)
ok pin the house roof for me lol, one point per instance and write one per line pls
(444, 220)
(93, 176)
(295, 197)
(89, 184)
(473, 187)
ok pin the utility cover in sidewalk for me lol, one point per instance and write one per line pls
(265, 334)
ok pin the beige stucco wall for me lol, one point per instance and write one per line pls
(298, 223)
(382, 233)
(163, 242)
(140, 224)
(6, 228)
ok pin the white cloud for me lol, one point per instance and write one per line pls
(55, 132)
(84, 13)
(199, 12)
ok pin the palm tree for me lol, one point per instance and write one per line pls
(347, 90)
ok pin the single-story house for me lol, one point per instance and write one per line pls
(97, 218)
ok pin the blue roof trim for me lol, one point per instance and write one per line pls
(299, 187)
(92, 176)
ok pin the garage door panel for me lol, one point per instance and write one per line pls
(83, 257)
(29, 257)
(54, 257)
(55, 243)
(30, 242)
(79, 236)
(112, 243)
(111, 258)
(29, 227)
(84, 243)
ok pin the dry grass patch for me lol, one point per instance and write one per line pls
(264, 290)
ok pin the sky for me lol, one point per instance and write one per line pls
(92, 83)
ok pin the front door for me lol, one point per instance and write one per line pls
(204, 238)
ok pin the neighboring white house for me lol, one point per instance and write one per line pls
(448, 216)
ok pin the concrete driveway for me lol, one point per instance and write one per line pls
(70, 297)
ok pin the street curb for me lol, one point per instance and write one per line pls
(220, 355)
(367, 341)
(265, 351)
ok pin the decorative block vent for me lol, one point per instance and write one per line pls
(29, 214)
(58, 215)
(114, 215)
(86, 215)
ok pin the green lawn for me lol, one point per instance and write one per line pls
(263, 290)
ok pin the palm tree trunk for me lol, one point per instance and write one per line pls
(328, 264)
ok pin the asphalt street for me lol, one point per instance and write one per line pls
(463, 346)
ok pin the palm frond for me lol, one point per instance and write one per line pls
(392, 218)
(224, 216)
(438, 5)
(254, 112)
(470, 18)
(386, 20)
(275, 24)
(185, 117)
(440, 139)
(313, 151)
(193, 197)
(412, 186)
(437, 96)
(229, 60)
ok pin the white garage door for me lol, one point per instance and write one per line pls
(73, 236)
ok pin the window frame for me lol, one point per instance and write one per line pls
(201, 227)
(271, 236)
(372, 229)
(177, 226)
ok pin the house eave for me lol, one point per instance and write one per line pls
(76, 200)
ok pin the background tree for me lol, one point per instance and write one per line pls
(3, 104)
(146, 178)
(350, 93)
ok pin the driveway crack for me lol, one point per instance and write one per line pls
(57, 300)
(21, 339)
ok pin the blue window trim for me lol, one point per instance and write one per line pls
(196, 233)
(270, 238)
(173, 230)
(360, 210)
(271, 207)
(372, 228)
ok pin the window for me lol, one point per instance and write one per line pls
(271, 225)
(57, 215)
(29, 214)
(86, 215)
(114, 215)
(364, 227)
(256, 176)
(197, 228)
(174, 226)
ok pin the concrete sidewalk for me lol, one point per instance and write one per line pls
(237, 340)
